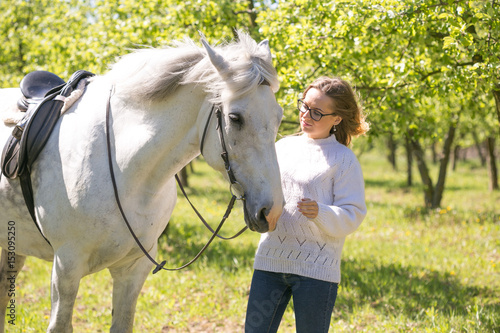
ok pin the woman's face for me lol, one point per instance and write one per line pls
(316, 99)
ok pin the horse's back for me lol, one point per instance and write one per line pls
(9, 113)
(9, 95)
(71, 182)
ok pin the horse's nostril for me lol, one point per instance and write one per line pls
(262, 214)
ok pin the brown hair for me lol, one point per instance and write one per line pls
(346, 105)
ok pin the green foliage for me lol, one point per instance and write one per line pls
(395, 52)
(40, 34)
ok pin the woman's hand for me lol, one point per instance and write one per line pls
(308, 208)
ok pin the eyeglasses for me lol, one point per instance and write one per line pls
(315, 114)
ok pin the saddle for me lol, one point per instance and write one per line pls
(43, 98)
(35, 86)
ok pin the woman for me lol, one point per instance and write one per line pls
(324, 192)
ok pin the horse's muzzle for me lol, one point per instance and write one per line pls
(256, 218)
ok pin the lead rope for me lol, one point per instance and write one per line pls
(159, 266)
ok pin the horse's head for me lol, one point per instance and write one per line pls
(250, 119)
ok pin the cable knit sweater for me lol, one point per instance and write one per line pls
(328, 172)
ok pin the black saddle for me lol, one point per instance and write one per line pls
(43, 94)
(43, 100)
(35, 86)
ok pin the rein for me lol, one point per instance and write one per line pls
(235, 187)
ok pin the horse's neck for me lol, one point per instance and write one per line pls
(153, 142)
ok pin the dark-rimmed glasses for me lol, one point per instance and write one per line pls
(315, 114)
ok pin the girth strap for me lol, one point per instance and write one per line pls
(26, 187)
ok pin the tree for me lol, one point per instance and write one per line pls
(40, 34)
(401, 55)
(404, 57)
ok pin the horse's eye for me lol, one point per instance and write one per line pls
(236, 119)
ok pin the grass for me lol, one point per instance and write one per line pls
(405, 269)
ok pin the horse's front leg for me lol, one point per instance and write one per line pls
(67, 271)
(10, 266)
(128, 280)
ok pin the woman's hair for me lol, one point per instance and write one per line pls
(346, 105)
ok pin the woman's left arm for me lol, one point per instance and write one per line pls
(349, 208)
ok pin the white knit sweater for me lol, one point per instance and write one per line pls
(328, 172)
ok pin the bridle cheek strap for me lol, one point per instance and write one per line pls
(234, 187)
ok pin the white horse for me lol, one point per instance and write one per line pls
(159, 105)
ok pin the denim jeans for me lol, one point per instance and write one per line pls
(270, 292)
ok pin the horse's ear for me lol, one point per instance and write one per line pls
(217, 60)
(264, 45)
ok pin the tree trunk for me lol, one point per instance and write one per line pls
(478, 148)
(253, 13)
(183, 176)
(456, 156)
(391, 144)
(492, 165)
(496, 93)
(434, 153)
(443, 165)
(491, 144)
(424, 171)
(409, 162)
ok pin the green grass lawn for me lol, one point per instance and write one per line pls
(405, 269)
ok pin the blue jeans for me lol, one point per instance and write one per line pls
(270, 292)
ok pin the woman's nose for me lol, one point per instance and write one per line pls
(307, 113)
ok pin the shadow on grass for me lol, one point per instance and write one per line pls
(401, 184)
(386, 183)
(214, 194)
(412, 291)
(183, 242)
(437, 216)
(390, 289)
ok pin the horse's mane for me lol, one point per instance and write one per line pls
(153, 74)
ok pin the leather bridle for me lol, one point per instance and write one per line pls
(235, 188)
